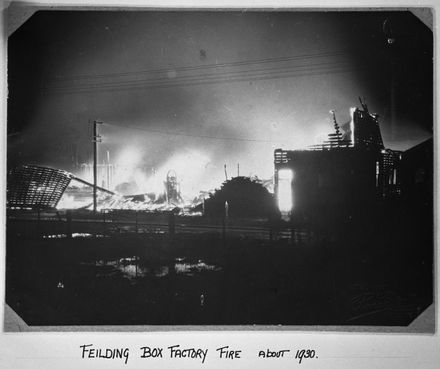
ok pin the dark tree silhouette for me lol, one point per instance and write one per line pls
(246, 197)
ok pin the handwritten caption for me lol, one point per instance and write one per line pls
(90, 351)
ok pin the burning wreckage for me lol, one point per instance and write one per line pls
(32, 186)
(37, 187)
(351, 166)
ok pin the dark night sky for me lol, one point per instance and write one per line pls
(149, 71)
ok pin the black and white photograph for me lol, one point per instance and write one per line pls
(220, 168)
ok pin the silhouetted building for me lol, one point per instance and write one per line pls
(417, 175)
(348, 171)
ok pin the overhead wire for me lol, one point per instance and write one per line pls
(191, 79)
(206, 66)
(207, 80)
(184, 78)
(243, 139)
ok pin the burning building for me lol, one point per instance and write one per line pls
(349, 170)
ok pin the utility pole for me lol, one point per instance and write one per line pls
(108, 170)
(96, 139)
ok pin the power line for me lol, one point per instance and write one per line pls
(255, 72)
(198, 81)
(193, 135)
(207, 66)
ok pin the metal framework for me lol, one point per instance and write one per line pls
(366, 130)
(31, 186)
(388, 181)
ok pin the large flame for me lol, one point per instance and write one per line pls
(190, 166)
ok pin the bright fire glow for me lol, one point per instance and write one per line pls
(189, 166)
(129, 176)
(69, 202)
(127, 169)
(352, 110)
(129, 157)
(285, 198)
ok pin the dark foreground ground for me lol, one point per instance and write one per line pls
(376, 273)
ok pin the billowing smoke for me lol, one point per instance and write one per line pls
(152, 78)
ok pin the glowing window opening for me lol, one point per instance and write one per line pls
(377, 174)
(285, 192)
(352, 110)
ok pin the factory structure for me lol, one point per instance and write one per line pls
(346, 174)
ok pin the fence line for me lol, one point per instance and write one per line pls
(138, 222)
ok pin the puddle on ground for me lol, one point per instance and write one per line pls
(74, 235)
(193, 268)
(130, 268)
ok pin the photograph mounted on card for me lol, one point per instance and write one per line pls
(220, 169)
